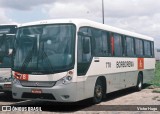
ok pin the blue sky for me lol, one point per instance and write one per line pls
(141, 16)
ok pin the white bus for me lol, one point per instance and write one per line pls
(7, 34)
(68, 60)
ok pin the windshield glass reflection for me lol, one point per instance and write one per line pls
(44, 48)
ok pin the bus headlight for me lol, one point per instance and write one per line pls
(65, 80)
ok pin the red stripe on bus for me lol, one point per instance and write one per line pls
(112, 44)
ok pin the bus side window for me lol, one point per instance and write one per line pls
(129, 46)
(105, 50)
(147, 48)
(123, 45)
(117, 45)
(152, 49)
(100, 42)
(84, 54)
(139, 47)
(97, 41)
(112, 44)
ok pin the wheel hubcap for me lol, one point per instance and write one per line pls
(140, 85)
(98, 91)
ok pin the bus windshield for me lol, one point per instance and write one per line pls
(7, 34)
(44, 48)
(7, 29)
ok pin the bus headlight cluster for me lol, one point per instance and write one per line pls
(66, 79)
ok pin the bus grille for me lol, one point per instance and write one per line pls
(38, 96)
(38, 83)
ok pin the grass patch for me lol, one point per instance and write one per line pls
(156, 91)
(156, 81)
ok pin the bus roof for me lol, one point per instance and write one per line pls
(8, 24)
(85, 22)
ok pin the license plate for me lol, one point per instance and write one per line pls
(36, 91)
(7, 85)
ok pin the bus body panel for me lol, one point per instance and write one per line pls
(121, 79)
(5, 74)
(58, 92)
(108, 65)
(117, 81)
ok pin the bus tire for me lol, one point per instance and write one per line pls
(139, 82)
(98, 92)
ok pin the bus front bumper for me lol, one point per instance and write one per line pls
(58, 93)
(5, 86)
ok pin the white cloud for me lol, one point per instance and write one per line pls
(23, 4)
(126, 8)
(4, 19)
(59, 10)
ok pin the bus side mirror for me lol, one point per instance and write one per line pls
(86, 45)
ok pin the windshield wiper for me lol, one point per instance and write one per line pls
(29, 54)
(41, 53)
(44, 55)
(27, 59)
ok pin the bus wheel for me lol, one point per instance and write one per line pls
(98, 92)
(139, 82)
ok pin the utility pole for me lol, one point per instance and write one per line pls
(103, 11)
